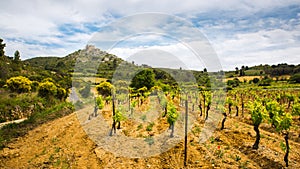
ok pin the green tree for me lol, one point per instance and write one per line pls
(17, 57)
(2, 46)
(255, 80)
(4, 67)
(242, 71)
(19, 84)
(233, 83)
(236, 70)
(295, 78)
(145, 78)
(16, 66)
(258, 114)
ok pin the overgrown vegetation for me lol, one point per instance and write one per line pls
(29, 92)
(14, 130)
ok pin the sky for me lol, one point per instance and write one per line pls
(238, 32)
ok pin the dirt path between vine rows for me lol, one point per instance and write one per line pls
(14, 121)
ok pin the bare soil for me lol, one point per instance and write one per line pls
(62, 143)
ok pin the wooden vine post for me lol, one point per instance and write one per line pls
(185, 132)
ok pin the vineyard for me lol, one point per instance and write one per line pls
(239, 128)
(247, 127)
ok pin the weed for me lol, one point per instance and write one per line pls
(244, 165)
(57, 163)
(126, 132)
(65, 164)
(51, 158)
(282, 146)
(44, 151)
(237, 158)
(79, 105)
(149, 127)
(139, 127)
(219, 153)
(196, 130)
(144, 117)
(149, 140)
(57, 149)
(227, 147)
(53, 140)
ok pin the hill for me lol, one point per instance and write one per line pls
(81, 57)
(92, 62)
(265, 70)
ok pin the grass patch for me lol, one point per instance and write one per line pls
(11, 105)
(144, 117)
(196, 130)
(139, 127)
(149, 140)
(149, 127)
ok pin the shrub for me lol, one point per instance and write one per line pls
(295, 78)
(47, 89)
(61, 93)
(233, 83)
(255, 80)
(104, 88)
(19, 84)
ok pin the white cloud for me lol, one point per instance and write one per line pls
(173, 56)
(266, 46)
(34, 50)
(238, 36)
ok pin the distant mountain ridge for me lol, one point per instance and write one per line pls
(92, 61)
